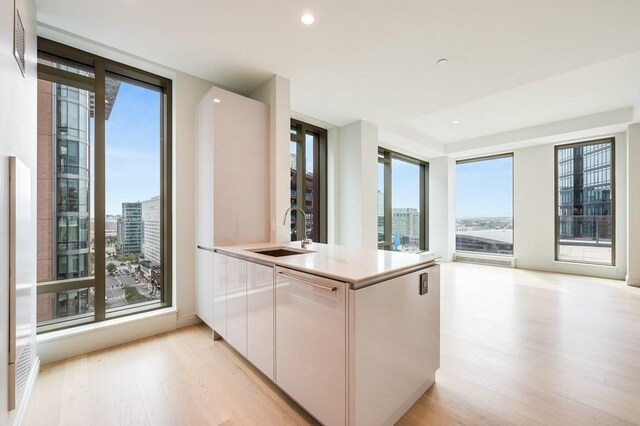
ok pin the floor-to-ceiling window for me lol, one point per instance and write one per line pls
(104, 155)
(484, 205)
(402, 202)
(585, 226)
(308, 172)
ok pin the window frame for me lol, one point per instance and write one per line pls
(386, 157)
(96, 84)
(319, 233)
(611, 140)
(513, 220)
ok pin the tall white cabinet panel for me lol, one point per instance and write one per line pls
(204, 212)
(204, 172)
(237, 304)
(220, 294)
(232, 187)
(311, 343)
(241, 169)
(204, 289)
(260, 317)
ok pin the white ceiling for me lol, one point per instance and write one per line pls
(512, 63)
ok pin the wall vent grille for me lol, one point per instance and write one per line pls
(23, 368)
(19, 42)
(507, 262)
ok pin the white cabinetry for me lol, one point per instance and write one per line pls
(311, 343)
(204, 213)
(220, 294)
(232, 191)
(204, 289)
(260, 317)
(394, 352)
(237, 304)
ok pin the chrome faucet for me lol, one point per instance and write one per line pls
(305, 241)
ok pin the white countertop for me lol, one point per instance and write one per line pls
(357, 266)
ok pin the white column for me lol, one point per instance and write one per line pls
(633, 205)
(276, 93)
(442, 207)
(358, 171)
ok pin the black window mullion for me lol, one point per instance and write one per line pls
(100, 190)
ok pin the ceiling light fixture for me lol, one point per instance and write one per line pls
(455, 122)
(442, 61)
(216, 100)
(307, 19)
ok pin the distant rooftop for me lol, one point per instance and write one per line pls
(500, 235)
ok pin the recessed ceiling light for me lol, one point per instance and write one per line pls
(455, 122)
(442, 61)
(307, 19)
(216, 100)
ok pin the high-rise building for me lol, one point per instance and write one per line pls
(151, 230)
(406, 225)
(584, 192)
(130, 238)
(64, 188)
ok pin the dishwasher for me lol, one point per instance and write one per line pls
(311, 342)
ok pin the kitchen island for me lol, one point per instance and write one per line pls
(352, 335)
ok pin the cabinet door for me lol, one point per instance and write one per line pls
(237, 304)
(220, 294)
(260, 317)
(204, 285)
(311, 343)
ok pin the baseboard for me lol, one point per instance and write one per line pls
(634, 282)
(21, 411)
(188, 320)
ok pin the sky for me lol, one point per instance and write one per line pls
(133, 147)
(485, 188)
(405, 184)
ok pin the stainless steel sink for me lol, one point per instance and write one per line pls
(280, 251)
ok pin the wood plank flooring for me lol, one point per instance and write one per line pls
(518, 348)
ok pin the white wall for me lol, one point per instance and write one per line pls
(18, 129)
(442, 192)
(357, 164)
(633, 204)
(534, 209)
(275, 92)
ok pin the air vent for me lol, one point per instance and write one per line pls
(508, 262)
(23, 369)
(19, 47)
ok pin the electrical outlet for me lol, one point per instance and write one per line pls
(424, 284)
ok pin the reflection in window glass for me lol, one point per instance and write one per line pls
(405, 205)
(584, 194)
(308, 154)
(380, 203)
(484, 206)
(401, 202)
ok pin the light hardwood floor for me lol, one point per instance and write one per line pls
(518, 347)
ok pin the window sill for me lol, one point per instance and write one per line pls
(589, 265)
(103, 325)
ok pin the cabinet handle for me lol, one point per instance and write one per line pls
(205, 248)
(311, 283)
